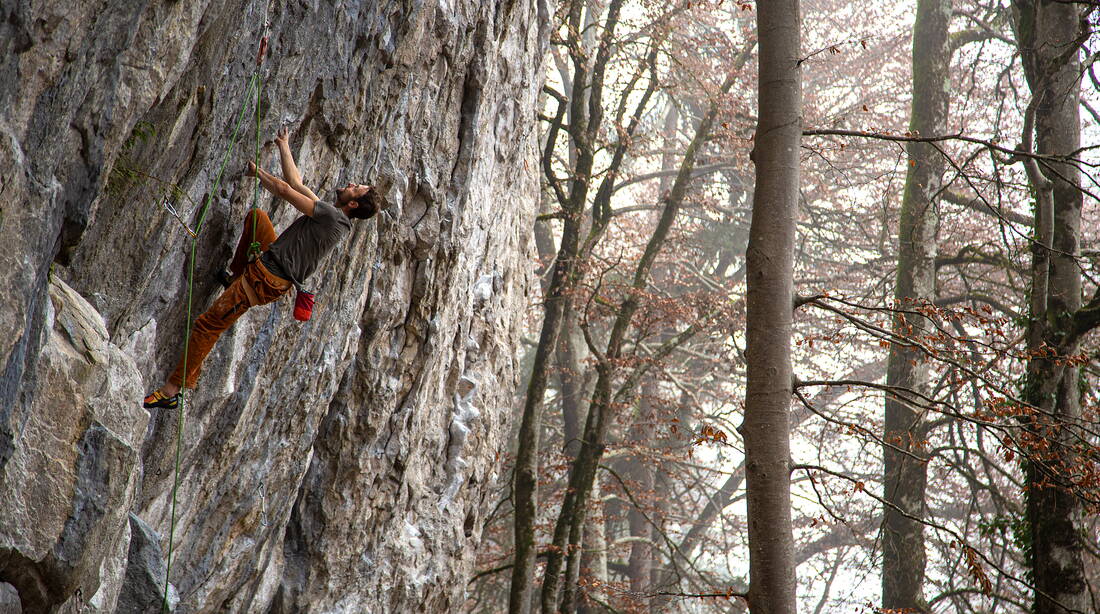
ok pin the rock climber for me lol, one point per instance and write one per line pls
(282, 262)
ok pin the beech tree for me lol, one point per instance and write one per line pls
(589, 37)
(904, 473)
(1049, 35)
(769, 304)
(585, 125)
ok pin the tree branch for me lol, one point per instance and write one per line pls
(899, 138)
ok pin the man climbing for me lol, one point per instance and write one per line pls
(285, 261)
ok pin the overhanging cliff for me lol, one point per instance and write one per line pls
(343, 464)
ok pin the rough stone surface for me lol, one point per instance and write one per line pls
(143, 586)
(9, 600)
(343, 464)
(73, 470)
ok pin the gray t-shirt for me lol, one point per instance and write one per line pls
(298, 250)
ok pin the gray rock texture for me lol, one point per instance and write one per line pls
(9, 600)
(338, 465)
(143, 586)
(73, 466)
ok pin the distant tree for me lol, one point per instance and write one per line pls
(904, 429)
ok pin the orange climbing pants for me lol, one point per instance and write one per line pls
(252, 285)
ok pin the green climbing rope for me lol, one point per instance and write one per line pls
(254, 247)
(253, 84)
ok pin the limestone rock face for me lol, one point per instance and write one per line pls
(72, 474)
(341, 464)
(143, 588)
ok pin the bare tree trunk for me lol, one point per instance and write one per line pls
(573, 382)
(904, 471)
(567, 529)
(641, 478)
(1049, 35)
(640, 565)
(525, 476)
(770, 264)
(594, 562)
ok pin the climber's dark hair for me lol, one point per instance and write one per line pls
(369, 204)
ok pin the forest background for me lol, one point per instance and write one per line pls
(942, 413)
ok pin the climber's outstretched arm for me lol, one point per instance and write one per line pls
(282, 189)
(290, 169)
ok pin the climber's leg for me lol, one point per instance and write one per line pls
(208, 327)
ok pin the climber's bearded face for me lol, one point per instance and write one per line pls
(350, 192)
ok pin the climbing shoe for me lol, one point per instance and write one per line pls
(158, 399)
(223, 277)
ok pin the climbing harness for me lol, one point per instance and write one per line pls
(254, 84)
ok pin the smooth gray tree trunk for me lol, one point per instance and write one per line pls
(904, 470)
(1049, 37)
(770, 262)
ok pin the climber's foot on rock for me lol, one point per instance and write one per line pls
(159, 399)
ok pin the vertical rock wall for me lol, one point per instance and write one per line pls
(343, 464)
